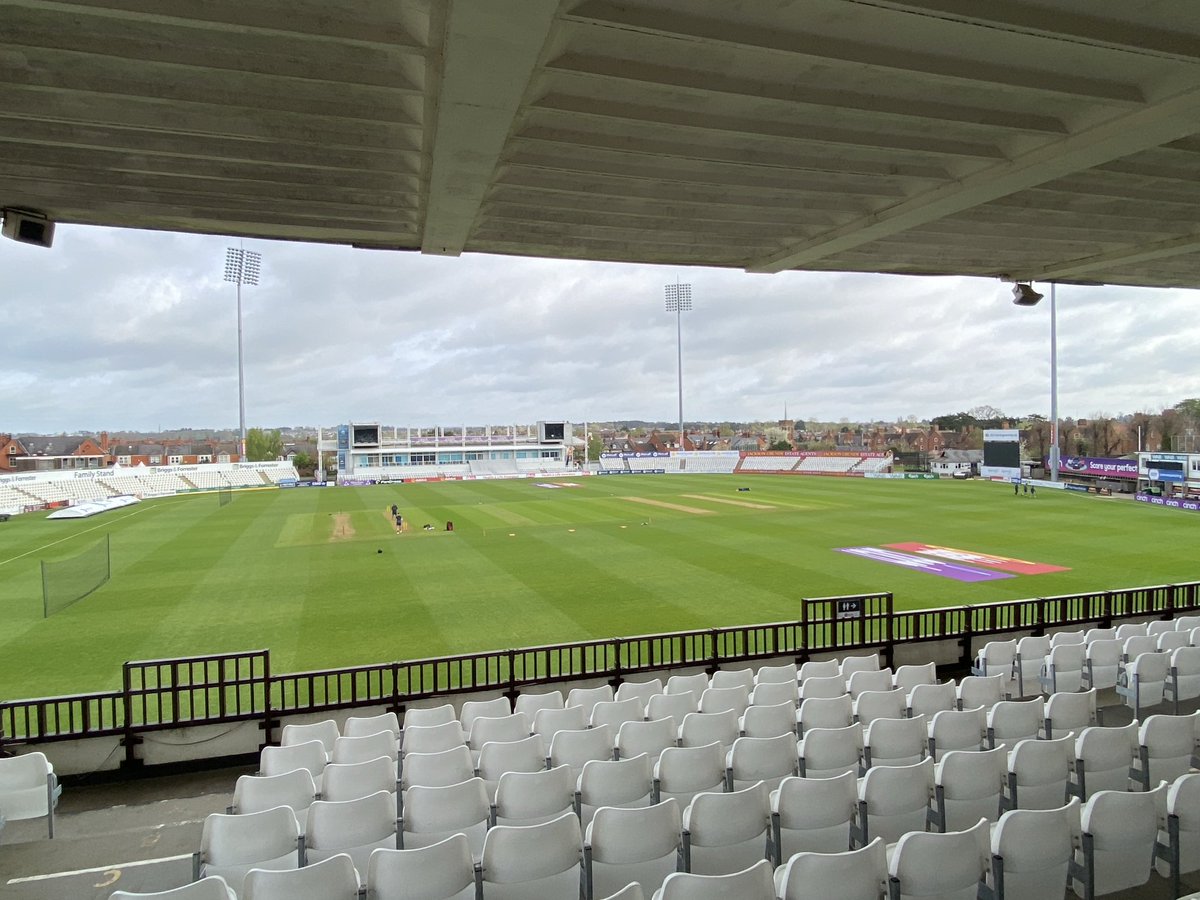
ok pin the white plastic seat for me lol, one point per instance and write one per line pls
(726, 832)
(956, 729)
(849, 875)
(671, 706)
(1143, 682)
(1187, 623)
(908, 677)
(632, 891)
(1183, 676)
(437, 769)
(309, 756)
(730, 678)
(335, 878)
(893, 800)
(819, 668)
(624, 784)
(894, 742)
(772, 693)
(354, 827)
(1099, 634)
(872, 705)
(1010, 721)
(874, 680)
(636, 738)
(1135, 646)
(785, 673)
(429, 715)
(1131, 629)
(1031, 852)
(432, 814)
(529, 704)
(1039, 773)
(995, 658)
(761, 760)
(684, 772)
(589, 697)
(851, 664)
(496, 758)
(928, 699)
(441, 871)
(1062, 668)
(1182, 834)
(615, 713)
(533, 862)
(1066, 713)
(29, 788)
(433, 738)
(362, 749)
(1119, 830)
(211, 888)
(768, 721)
(531, 798)
(1027, 665)
(699, 729)
(688, 684)
(230, 846)
(735, 698)
(823, 686)
(813, 814)
(968, 785)
(825, 752)
(1166, 748)
(979, 690)
(1159, 626)
(359, 726)
(642, 690)
(946, 866)
(577, 748)
(349, 781)
(549, 722)
(1101, 664)
(824, 712)
(1067, 637)
(327, 732)
(639, 845)
(1170, 641)
(754, 883)
(481, 709)
(500, 730)
(255, 793)
(1103, 758)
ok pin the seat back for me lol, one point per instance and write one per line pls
(957, 730)
(672, 706)
(908, 677)
(824, 752)
(948, 866)
(501, 729)
(530, 704)
(787, 673)
(894, 800)
(754, 883)
(531, 798)
(1167, 744)
(433, 738)
(1069, 712)
(769, 721)
(367, 747)
(1010, 721)
(772, 693)
(476, 709)
(730, 678)
(1039, 772)
(358, 726)
(325, 731)
(355, 827)
(1067, 637)
(1185, 673)
(813, 814)
(575, 748)
(735, 698)
(1146, 679)
(699, 729)
(495, 758)
(869, 680)
(1120, 829)
(819, 668)
(872, 705)
(548, 722)
(232, 845)
(683, 772)
(723, 833)
(1102, 662)
(765, 760)
(430, 715)
(1033, 849)
(349, 781)
(969, 786)
(895, 742)
(1064, 668)
(1183, 805)
(996, 658)
(437, 769)
(532, 861)
(589, 697)
(823, 686)
(851, 664)
(624, 783)
(636, 738)
(28, 788)
(431, 814)
(643, 690)
(688, 684)
(825, 712)
(928, 699)
(848, 875)
(335, 878)
(444, 871)
(213, 887)
(980, 690)
(615, 713)
(254, 793)
(639, 845)
(309, 756)
(1103, 757)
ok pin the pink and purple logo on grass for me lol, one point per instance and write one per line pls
(948, 561)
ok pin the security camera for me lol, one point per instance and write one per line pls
(28, 227)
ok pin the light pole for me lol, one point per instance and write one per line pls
(679, 299)
(1025, 295)
(241, 267)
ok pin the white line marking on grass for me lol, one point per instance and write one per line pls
(95, 869)
(4, 562)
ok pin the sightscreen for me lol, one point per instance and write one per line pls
(67, 581)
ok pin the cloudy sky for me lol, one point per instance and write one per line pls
(118, 330)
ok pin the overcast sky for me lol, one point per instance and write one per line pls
(120, 330)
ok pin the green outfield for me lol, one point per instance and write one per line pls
(320, 577)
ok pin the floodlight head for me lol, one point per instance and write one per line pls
(1025, 295)
(679, 297)
(242, 266)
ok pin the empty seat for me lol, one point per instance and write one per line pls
(978, 690)
(433, 738)
(358, 726)
(671, 706)
(309, 756)
(1066, 713)
(441, 871)
(1160, 626)
(908, 677)
(1032, 851)
(872, 705)
(699, 729)
(761, 760)
(1166, 748)
(813, 814)
(367, 747)
(626, 783)
(548, 722)
(894, 742)
(1135, 646)
(642, 690)
(688, 684)
(1010, 721)
(636, 738)
(429, 715)
(335, 878)
(1101, 664)
(255, 793)
(529, 704)
(823, 686)
(726, 832)
(1067, 637)
(497, 758)
(476, 709)
(1099, 634)
(728, 678)
(29, 789)
(825, 712)
(211, 888)
(533, 861)
(354, 827)
(437, 769)
(432, 814)
(1143, 682)
(1027, 664)
(782, 674)
(968, 786)
(531, 798)
(1170, 641)
(819, 668)
(1103, 758)
(1182, 834)
(631, 845)
(772, 693)
(947, 866)
(995, 658)
(754, 883)
(769, 721)
(230, 846)
(500, 730)
(955, 729)
(1131, 629)
(1187, 623)
(1039, 773)
(684, 772)
(928, 699)
(349, 781)
(632, 891)
(874, 680)
(589, 697)
(1062, 669)
(326, 732)
(893, 800)
(1119, 832)
(849, 875)
(1183, 676)
(735, 698)
(575, 748)
(825, 752)
(852, 664)
(615, 713)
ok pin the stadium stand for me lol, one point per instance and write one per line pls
(706, 464)
(769, 464)
(828, 464)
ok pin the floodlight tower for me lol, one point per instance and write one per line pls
(679, 300)
(241, 267)
(1025, 295)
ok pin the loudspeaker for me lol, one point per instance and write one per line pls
(1025, 295)
(28, 227)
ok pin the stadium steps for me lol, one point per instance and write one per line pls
(191, 484)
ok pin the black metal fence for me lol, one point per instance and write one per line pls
(232, 687)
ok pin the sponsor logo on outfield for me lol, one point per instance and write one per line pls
(924, 564)
(987, 560)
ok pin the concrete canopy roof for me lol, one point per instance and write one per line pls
(1031, 139)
